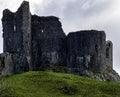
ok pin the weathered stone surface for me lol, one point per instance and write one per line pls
(24, 17)
(17, 34)
(1, 62)
(21, 63)
(6, 63)
(109, 54)
(48, 42)
(86, 51)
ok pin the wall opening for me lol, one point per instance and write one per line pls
(14, 28)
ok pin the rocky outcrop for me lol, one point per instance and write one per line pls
(34, 43)
(108, 75)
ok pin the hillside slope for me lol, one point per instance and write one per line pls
(50, 84)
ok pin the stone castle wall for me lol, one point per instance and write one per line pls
(48, 48)
(109, 53)
(34, 42)
(17, 36)
(86, 51)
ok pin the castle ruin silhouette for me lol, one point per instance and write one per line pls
(34, 42)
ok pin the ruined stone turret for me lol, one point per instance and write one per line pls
(86, 51)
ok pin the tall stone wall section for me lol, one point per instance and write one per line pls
(8, 29)
(33, 43)
(48, 42)
(17, 36)
(109, 54)
(24, 17)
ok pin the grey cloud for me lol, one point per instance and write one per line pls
(80, 14)
(86, 8)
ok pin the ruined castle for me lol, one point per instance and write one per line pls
(32, 43)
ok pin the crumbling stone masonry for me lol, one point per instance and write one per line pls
(86, 51)
(17, 36)
(33, 43)
(37, 42)
(48, 42)
(109, 53)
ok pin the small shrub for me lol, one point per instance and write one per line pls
(70, 90)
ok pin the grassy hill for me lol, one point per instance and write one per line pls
(50, 84)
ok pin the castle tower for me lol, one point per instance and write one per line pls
(86, 51)
(17, 35)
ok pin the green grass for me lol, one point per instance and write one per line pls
(50, 84)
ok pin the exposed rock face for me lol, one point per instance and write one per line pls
(86, 51)
(48, 42)
(33, 43)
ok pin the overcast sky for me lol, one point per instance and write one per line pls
(77, 15)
